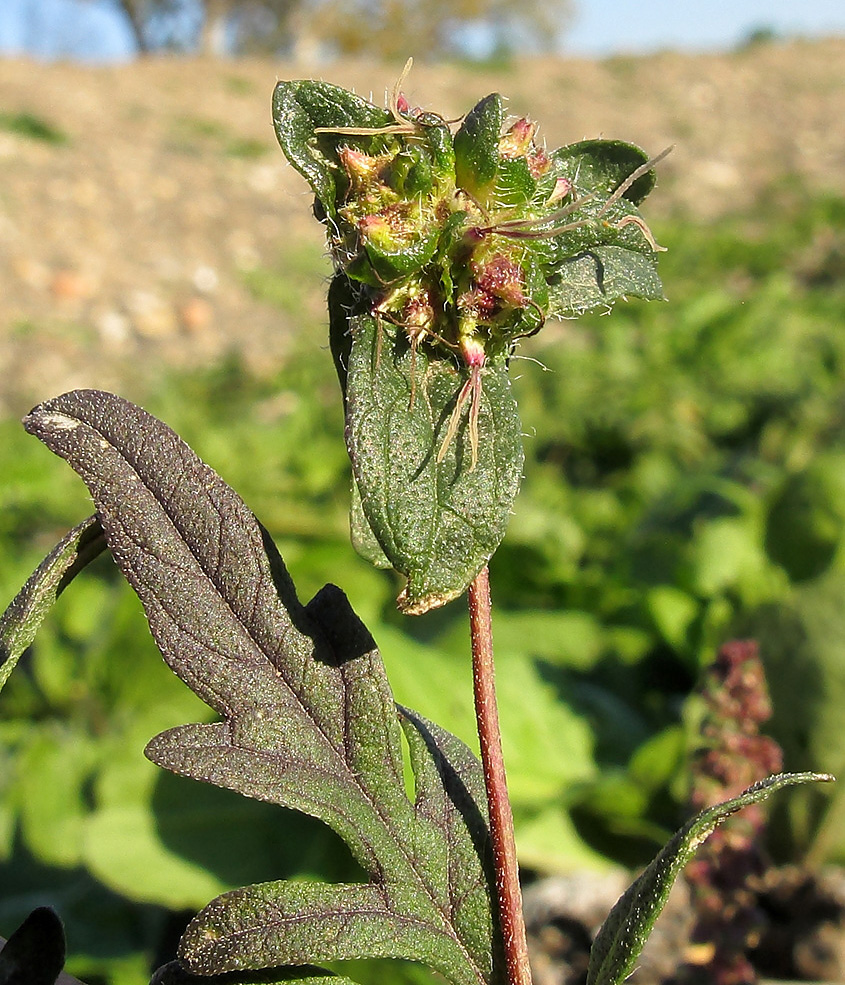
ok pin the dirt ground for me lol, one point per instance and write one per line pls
(139, 240)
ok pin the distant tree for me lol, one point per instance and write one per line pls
(133, 11)
(390, 28)
(142, 14)
(396, 28)
(246, 26)
(211, 27)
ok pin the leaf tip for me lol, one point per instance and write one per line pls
(410, 604)
(40, 420)
(824, 778)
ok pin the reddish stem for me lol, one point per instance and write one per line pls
(508, 893)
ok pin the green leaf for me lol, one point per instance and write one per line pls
(477, 147)
(301, 107)
(343, 302)
(598, 276)
(515, 185)
(403, 256)
(437, 522)
(619, 942)
(308, 716)
(35, 953)
(673, 612)
(20, 622)
(127, 851)
(550, 842)
(604, 251)
(364, 540)
(600, 166)
(726, 553)
(437, 138)
(55, 772)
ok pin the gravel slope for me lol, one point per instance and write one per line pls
(142, 239)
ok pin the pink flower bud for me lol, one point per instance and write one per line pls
(563, 186)
(472, 349)
(360, 167)
(539, 162)
(388, 228)
(376, 229)
(517, 141)
(502, 278)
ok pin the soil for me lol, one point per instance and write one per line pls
(800, 935)
(133, 244)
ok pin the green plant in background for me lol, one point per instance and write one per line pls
(669, 451)
(32, 127)
(402, 356)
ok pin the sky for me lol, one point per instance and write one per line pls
(603, 27)
(91, 32)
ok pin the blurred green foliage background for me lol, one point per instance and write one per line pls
(685, 482)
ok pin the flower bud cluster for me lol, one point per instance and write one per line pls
(429, 250)
(465, 240)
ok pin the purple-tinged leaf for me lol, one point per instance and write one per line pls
(308, 719)
(20, 622)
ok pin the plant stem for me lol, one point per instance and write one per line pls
(508, 893)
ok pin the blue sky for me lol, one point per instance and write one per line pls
(608, 26)
(88, 29)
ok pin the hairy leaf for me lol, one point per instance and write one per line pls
(20, 622)
(604, 251)
(343, 303)
(308, 719)
(458, 247)
(622, 936)
(600, 275)
(600, 166)
(438, 522)
(299, 108)
(477, 147)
